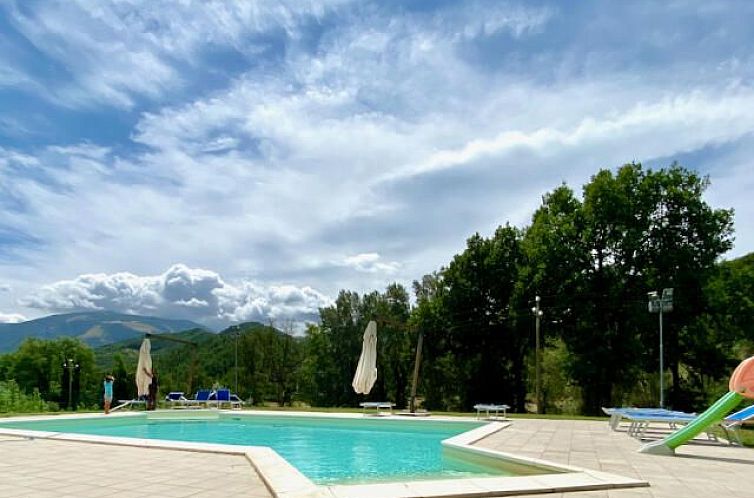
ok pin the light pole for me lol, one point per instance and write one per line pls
(70, 365)
(537, 360)
(661, 304)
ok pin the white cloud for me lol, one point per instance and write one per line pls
(370, 263)
(12, 318)
(117, 51)
(179, 292)
(732, 187)
(693, 120)
(280, 302)
(479, 19)
(12, 77)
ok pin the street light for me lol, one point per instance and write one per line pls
(538, 363)
(661, 304)
(70, 365)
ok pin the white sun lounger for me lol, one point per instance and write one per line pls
(618, 414)
(641, 422)
(377, 405)
(124, 403)
(496, 409)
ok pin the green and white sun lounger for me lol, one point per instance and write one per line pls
(732, 423)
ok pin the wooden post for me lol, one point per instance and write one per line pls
(417, 362)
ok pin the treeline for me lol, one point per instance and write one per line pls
(39, 377)
(590, 258)
(34, 378)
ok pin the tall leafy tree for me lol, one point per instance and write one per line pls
(553, 259)
(395, 342)
(479, 284)
(439, 373)
(635, 230)
(685, 237)
(333, 348)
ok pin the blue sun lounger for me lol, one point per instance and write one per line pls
(225, 396)
(176, 397)
(202, 397)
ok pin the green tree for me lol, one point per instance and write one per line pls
(685, 237)
(439, 375)
(723, 334)
(38, 365)
(478, 286)
(594, 260)
(333, 348)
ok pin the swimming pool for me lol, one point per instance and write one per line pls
(326, 450)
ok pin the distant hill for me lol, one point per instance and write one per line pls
(128, 349)
(95, 328)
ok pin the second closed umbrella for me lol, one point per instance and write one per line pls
(366, 371)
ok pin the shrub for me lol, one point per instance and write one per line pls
(12, 399)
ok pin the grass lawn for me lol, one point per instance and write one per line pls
(747, 436)
(26, 414)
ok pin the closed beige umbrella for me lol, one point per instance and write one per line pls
(366, 371)
(143, 379)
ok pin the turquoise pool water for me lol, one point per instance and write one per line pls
(326, 450)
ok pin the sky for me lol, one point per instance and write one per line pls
(232, 161)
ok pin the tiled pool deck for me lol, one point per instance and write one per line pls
(42, 468)
(45, 467)
(698, 470)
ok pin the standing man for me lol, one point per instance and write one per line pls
(108, 384)
(153, 390)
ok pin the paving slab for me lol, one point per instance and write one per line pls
(700, 470)
(42, 467)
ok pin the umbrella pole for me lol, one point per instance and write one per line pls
(417, 362)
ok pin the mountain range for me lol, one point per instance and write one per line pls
(96, 328)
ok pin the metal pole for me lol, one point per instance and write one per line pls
(412, 403)
(70, 384)
(538, 361)
(237, 334)
(662, 365)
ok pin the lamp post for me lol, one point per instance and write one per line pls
(537, 360)
(661, 304)
(70, 365)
